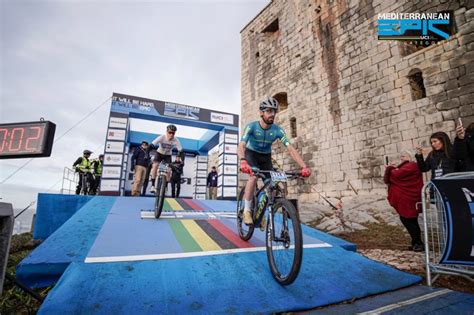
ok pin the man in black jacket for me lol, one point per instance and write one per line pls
(212, 184)
(139, 164)
(176, 172)
(464, 146)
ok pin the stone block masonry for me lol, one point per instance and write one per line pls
(350, 93)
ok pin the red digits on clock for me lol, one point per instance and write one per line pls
(20, 139)
(3, 138)
(32, 138)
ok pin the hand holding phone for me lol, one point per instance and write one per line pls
(419, 149)
(460, 131)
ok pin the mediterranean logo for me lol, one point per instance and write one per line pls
(419, 28)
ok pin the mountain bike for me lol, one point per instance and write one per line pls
(160, 184)
(283, 237)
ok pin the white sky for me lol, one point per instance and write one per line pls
(61, 59)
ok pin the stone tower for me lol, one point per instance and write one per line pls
(349, 99)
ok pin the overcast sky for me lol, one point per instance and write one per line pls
(61, 59)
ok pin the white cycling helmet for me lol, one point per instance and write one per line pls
(269, 102)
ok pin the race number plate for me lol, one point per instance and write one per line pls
(163, 167)
(278, 176)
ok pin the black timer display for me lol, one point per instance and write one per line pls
(26, 139)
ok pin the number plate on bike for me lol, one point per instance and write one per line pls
(163, 167)
(278, 176)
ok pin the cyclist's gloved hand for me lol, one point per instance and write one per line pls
(305, 172)
(245, 167)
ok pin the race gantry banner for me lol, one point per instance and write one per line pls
(212, 128)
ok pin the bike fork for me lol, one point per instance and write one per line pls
(270, 236)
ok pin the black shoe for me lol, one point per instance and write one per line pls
(418, 248)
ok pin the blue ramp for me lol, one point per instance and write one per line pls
(235, 281)
(54, 210)
(231, 284)
(69, 243)
(125, 237)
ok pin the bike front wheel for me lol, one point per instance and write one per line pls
(284, 243)
(160, 196)
(245, 231)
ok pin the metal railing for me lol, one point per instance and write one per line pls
(435, 233)
(70, 179)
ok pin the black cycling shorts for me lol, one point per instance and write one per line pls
(162, 157)
(261, 160)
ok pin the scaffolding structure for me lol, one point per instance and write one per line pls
(70, 180)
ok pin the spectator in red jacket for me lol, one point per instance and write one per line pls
(405, 183)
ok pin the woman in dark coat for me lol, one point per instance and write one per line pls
(405, 183)
(441, 160)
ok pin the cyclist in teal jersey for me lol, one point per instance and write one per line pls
(255, 149)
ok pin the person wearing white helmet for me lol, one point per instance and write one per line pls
(165, 145)
(255, 149)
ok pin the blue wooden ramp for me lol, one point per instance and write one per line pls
(159, 271)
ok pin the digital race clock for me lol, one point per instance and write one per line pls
(26, 139)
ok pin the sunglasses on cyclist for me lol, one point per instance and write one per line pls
(171, 132)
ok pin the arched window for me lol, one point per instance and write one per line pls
(282, 99)
(415, 78)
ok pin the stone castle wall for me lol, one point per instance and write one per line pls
(349, 92)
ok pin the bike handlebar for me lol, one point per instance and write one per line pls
(290, 174)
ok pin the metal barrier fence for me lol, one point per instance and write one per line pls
(435, 233)
(70, 179)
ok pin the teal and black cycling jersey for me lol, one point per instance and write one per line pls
(260, 140)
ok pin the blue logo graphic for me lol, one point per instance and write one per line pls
(429, 27)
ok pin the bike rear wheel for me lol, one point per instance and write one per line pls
(245, 231)
(285, 243)
(160, 195)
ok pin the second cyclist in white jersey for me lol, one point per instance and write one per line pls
(165, 144)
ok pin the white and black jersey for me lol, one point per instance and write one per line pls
(166, 146)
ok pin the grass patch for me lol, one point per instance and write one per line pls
(14, 300)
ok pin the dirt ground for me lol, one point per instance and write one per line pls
(389, 245)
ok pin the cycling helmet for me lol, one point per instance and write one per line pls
(86, 152)
(269, 102)
(171, 128)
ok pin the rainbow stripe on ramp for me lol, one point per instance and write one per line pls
(174, 238)
(184, 204)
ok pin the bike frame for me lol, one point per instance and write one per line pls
(271, 195)
(162, 171)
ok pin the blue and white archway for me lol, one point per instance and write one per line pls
(134, 119)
